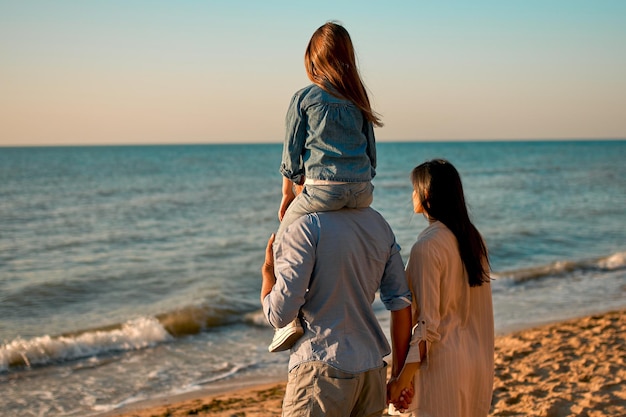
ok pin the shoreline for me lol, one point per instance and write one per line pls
(571, 367)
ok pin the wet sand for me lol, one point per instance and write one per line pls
(572, 368)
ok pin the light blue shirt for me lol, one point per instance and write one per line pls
(327, 138)
(330, 266)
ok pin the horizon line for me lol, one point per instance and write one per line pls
(472, 140)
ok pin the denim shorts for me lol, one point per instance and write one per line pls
(317, 198)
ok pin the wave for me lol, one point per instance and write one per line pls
(134, 334)
(612, 262)
(145, 332)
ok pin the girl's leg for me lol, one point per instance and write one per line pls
(297, 208)
(312, 199)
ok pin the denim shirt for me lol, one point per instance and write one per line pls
(329, 267)
(327, 138)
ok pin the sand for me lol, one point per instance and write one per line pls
(571, 368)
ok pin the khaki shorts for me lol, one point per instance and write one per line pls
(317, 389)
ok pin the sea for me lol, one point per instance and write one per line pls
(132, 273)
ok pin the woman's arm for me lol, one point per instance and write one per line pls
(423, 273)
(400, 389)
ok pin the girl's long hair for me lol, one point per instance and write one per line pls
(330, 59)
(438, 186)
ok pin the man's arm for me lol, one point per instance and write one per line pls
(288, 196)
(287, 271)
(400, 342)
(400, 338)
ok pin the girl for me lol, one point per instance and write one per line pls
(450, 360)
(329, 143)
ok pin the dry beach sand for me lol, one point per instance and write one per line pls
(571, 368)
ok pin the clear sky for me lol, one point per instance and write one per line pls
(141, 72)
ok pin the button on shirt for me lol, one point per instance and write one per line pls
(327, 138)
(330, 266)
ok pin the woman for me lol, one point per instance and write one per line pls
(449, 367)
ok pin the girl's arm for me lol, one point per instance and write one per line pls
(288, 196)
(292, 165)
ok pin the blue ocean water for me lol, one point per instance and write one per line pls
(132, 272)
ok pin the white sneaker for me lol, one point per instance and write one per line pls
(285, 337)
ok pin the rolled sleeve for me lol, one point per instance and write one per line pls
(292, 166)
(423, 274)
(414, 354)
(394, 290)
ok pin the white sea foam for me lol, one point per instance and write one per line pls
(615, 261)
(256, 318)
(134, 334)
(612, 262)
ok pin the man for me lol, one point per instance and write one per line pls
(327, 268)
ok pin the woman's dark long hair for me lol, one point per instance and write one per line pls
(438, 186)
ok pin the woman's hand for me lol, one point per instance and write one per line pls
(398, 395)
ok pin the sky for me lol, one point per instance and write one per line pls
(153, 72)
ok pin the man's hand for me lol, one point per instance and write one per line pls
(267, 270)
(269, 253)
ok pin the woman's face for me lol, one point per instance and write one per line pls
(417, 204)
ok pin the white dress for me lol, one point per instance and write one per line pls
(456, 321)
